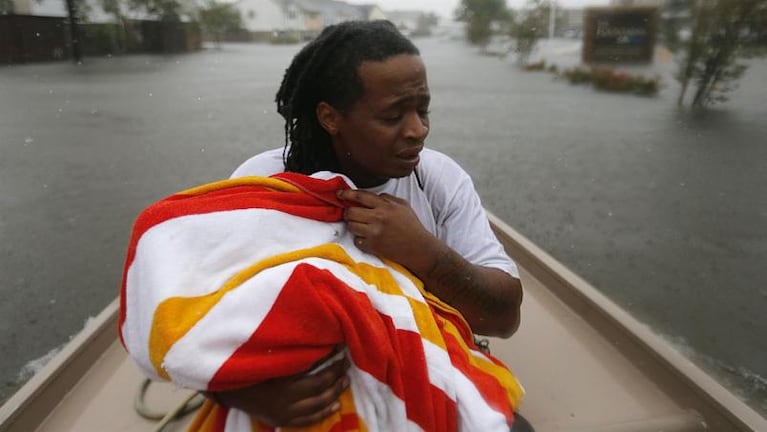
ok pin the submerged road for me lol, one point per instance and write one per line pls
(663, 210)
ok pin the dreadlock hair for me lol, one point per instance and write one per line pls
(326, 70)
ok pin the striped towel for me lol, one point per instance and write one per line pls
(238, 281)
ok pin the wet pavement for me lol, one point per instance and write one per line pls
(663, 210)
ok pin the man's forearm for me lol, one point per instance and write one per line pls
(488, 298)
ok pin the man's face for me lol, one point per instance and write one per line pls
(381, 135)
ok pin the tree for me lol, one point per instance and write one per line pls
(165, 10)
(6, 7)
(722, 33)
(114, 8)
(218, 19)
(481, 16)
(674, 13)
(425, 23)
(531, 26)
(73, 11)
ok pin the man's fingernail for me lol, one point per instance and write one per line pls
(335, 407)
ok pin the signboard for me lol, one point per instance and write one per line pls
(619, 35)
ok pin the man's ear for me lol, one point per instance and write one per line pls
(328, 117)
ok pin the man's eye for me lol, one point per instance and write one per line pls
(392, 118)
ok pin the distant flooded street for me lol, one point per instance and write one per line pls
(663, 210)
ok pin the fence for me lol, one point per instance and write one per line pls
(25, 38)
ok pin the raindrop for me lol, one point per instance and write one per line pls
(202, 150)
(210, 116)
(681, 184)
(50, 91)
(45, 186)
(150, 94)
(61, 110)
(37, 34)
(199, 98)
(610, 214)
(53, 301)
(28, 140)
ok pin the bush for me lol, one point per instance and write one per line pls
(537, 66)
(577, 75)
(613, 80)
(287, 38)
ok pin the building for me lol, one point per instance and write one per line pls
(265, 20)
(298, 19)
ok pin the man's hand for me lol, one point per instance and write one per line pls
(294, 401)
(384, 225)
(387, 226)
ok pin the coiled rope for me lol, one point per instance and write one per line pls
(186, 406)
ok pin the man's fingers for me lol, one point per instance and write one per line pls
(309, 420)
(361, 197)
(360, 229)
(314, 405)
(308, 385)
(359, 214)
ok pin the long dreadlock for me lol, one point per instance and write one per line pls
(326, 70)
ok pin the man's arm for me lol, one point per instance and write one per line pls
(488, 298)
(294, 401)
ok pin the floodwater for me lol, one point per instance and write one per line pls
(663, 210)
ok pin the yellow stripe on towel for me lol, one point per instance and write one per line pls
(175, 316)
(269, 182)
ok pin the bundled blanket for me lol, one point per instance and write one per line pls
(235, 282)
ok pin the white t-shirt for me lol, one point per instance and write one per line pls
(445, 202)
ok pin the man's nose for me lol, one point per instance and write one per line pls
(416, 127)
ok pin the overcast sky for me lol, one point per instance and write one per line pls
(446, 7)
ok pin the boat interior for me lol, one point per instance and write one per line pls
(586, 365)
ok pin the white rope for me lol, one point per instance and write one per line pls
(183, 408)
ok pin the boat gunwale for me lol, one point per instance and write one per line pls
(28, 408)
(614, 323)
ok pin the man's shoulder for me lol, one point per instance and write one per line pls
(438, 167)
(431, 156)
(263, 164)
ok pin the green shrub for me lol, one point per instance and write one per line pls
(577, 75)
(288, 38)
